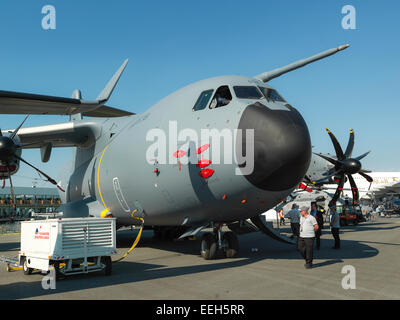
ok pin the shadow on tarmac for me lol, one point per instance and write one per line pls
(9, 246)
(136, 272)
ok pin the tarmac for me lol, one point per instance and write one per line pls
(264, 269)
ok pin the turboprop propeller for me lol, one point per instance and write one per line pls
(10, 152)
(345, 166)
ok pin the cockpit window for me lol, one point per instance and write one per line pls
(222, 97)
(271, 94)
(203, 100)
(247, 92)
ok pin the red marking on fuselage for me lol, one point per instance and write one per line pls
(202, 148)
(206, 173)
(203, 163)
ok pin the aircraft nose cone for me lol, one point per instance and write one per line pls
(351, 166)
(282, 147)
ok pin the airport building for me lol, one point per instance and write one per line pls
(28, 200)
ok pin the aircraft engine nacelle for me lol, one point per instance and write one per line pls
(9, 148)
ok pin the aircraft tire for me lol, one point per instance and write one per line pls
(232, 244)
(208, 246)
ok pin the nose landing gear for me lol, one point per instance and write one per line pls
(218, 241)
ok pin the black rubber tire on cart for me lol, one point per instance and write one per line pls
(58, 273)
(231, 243)
(27, 270)
(208, 246)
(108, 262)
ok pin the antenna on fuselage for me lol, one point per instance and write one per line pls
(269, 75)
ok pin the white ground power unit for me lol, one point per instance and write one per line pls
(71, 245)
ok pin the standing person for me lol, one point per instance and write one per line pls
(308, 226)
(335, 226)
(313, 211)
(281, 218)
(294, 216)
(319, 216)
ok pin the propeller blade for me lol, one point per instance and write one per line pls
(339, 190)
(14, 206)
(363, 155)
(19, 127)
(354, 189)
(366, 176)
(329, 159)
(327, 177)
(51, 180)
(336, 145)
(350, 145)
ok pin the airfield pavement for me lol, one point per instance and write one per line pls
(175, 270)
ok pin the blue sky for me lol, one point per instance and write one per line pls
(174, 43)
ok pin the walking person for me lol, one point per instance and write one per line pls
(308, 226)
(335, 226)
(294, 216)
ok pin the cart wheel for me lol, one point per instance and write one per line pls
(27, 270)
(58, 273)
(107, 261)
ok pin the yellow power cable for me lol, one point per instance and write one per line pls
(136, 240)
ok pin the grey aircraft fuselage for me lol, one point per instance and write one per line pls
(114, 177)
(136, 166)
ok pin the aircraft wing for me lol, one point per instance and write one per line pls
(69, 134)
(390, 188)
(27, 103)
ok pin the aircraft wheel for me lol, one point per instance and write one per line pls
(27, 270)
(231, 244)
(208, 246)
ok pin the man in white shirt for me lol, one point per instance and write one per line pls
(308, 227)
(294, 216)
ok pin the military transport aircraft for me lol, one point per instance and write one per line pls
(120, 168)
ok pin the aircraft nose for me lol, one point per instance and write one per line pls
(282, 146)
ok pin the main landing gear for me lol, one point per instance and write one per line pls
(218, 241)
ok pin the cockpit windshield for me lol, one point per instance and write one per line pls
(247, 92)
(271, 94)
